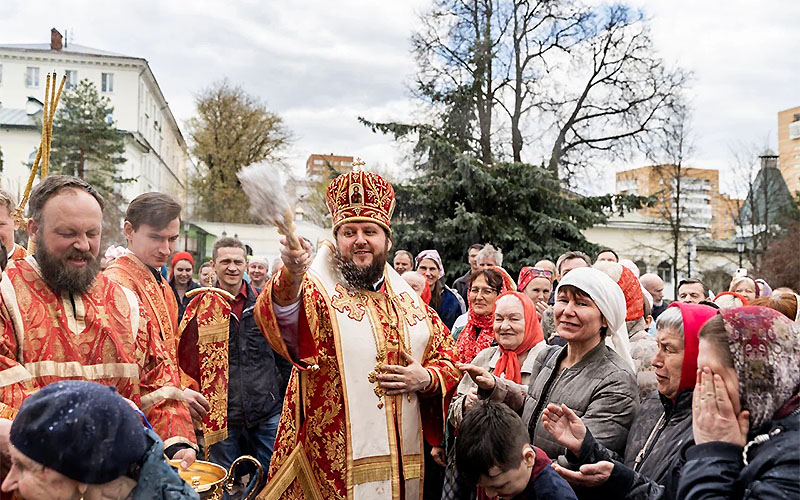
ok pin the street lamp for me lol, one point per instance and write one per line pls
(740, 248)
(690, 248)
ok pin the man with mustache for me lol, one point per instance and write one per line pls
(62, 319)
(372, 361)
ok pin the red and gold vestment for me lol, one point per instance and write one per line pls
(156, 297)
(203, 356)
(339, 436)
(18, 253)
(102, 336)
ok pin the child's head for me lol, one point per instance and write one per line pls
(493, 450)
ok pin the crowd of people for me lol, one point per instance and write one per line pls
(351, 376)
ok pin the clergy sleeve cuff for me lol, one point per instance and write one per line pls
(434, 384)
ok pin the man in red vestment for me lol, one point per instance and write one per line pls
(152, 227)
(373, 363)
(61, 319)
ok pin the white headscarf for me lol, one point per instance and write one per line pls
(609, 298)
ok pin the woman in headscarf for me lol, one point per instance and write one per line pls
(537, 284)
(586, 375)
(746, 408)
(516, 329)
(445, 301)
(180, 279)
(483, 287)
(663, 425)
(745, 286)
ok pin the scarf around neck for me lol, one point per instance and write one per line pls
(508, 365)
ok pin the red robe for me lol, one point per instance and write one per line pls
(156, 297)
(102, 336)
(325, 432)
(18, 253)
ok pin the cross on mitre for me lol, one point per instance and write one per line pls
(358, 165)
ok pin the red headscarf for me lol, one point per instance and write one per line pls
(527, 274)
(694, 317)
(634, 298)
(508, 364)
(477, 334)
(179, 257)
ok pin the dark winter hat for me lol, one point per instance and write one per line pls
(83, 430)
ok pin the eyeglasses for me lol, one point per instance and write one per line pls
(482, 291)
(535, 272)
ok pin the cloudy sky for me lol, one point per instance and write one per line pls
(320, 64)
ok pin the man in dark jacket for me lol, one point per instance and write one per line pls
(257, 378)
(460, 284)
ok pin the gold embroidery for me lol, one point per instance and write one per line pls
(412, 313)
(354, 302)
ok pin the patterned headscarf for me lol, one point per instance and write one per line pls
(478, 334)
(508, 364)
(765, 346)
(528, 274)
(434, 256)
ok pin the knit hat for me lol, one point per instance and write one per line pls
(177, 258)
(83, 430)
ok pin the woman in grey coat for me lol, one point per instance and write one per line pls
(586, 375)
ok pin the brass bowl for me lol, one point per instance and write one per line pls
(210, 480)
(201, 476)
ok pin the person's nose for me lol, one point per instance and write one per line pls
(82, 243)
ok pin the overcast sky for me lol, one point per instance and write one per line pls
(320, 64)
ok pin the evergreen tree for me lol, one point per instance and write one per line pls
(457, 200)
(86, 144)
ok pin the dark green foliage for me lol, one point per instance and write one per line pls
(456, 201)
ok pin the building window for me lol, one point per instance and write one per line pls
(664, 271)
(107, 82)
(32, 77)
(72, 78)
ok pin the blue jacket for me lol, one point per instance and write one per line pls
(545, 483)
(450, 309)
(157, 479)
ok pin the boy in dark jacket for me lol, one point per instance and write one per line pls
(493, 450)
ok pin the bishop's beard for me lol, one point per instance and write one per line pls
(60, 276)
(361, 278)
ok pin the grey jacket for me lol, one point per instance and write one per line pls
(599, 388)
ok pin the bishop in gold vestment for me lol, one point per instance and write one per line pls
(341, 436)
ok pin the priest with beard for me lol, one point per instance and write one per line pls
(61, 319)
(373, 364)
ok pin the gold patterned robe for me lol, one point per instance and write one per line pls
(101, 336)
(156, 297)
(323, 400)
(18, 253)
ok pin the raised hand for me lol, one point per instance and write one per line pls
(713, 417)
(566, 427)
(481, 376)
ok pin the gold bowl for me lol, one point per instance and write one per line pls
(211, 480)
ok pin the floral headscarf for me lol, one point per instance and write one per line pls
(478, 334)
(765, 346)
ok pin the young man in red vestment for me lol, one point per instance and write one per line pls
(62, 319)
(152, 227)
(373, 363)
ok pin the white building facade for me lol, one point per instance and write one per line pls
(155, 150)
